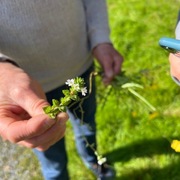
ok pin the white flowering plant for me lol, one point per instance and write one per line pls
(72, 95)
(76, 86)
(77, 92)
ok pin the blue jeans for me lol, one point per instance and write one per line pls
(54, 160)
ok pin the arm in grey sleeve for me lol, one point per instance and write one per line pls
(97, 22)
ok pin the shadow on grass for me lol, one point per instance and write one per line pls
(166, 173)
(142, 148)
(146, 148)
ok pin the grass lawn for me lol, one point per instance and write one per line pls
(132, 137)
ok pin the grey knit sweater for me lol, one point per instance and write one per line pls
(52, 39)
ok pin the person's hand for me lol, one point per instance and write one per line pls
(174, 60)
(109, 59)
(22, 119)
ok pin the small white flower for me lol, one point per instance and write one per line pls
(84, 91)
(102, 160)
(70, 82)
(76, 87)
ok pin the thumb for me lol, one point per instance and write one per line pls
(31, 98)
(31, 102)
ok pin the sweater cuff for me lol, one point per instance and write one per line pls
(99, 37)
(5, 59)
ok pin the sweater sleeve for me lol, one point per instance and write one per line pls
(177, 31)
(97, 22)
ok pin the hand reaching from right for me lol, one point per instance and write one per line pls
(174, 60)
(22, 119)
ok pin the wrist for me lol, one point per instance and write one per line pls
(103, 44)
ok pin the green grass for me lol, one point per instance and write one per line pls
(136, 142)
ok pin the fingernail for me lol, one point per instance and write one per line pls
(49, 122)
(62, 117)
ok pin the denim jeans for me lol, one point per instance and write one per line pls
(54, 160)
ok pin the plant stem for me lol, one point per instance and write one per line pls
(142, 99)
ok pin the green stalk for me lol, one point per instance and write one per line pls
(142, 99)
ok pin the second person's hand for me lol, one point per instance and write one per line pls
(110, 60)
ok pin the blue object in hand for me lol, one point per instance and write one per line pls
(170, 44)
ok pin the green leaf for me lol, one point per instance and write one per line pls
(131, 85)
(65, 101)
(80, 81)
(55, 102)
(52, 115)
(66, 92)
(62, 108)
(47, 109)
(75, 97)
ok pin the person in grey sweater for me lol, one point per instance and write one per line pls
(43, 43)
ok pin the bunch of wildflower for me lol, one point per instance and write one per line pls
(76, 86)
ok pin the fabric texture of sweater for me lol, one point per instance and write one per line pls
(52, 40)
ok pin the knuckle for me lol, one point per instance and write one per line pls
(27, 144)
(43, 148)
(39, 103)
(12, 139)
(17, 92)
(31, 143)
(31, 146)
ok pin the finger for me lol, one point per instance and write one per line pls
(44, 141)
(56, 133)
(118, 60)
(48, 138)
(59, 136)
(31, 102)
(21, 130)
(174, 64)
(108, 69)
